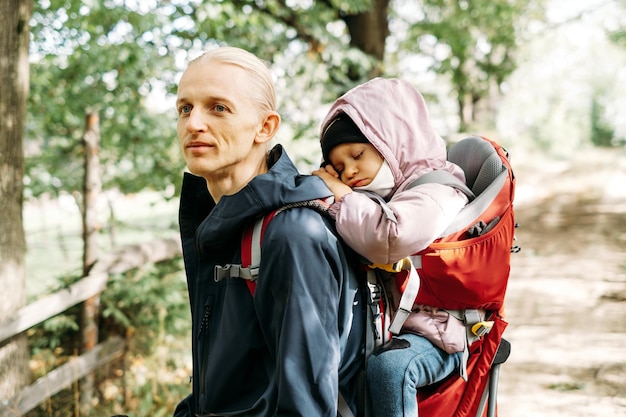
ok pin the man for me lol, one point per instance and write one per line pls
(293, 346)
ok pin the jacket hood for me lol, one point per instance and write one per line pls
(281, 185)
(392, 115)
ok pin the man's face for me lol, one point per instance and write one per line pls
(217, 118)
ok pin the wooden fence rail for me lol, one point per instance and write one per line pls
(58, 302)
(63, 377)
(53, 304)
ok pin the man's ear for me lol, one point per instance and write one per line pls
(269, 127)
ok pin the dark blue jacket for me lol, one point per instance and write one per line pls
(287, 350)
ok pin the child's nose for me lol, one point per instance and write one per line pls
(350, 171)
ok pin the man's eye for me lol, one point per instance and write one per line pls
(185, 109)
(219, 108)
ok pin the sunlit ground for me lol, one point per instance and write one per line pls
(566, 301)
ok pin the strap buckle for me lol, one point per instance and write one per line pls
(235, 271)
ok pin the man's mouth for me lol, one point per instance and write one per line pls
(197, 144)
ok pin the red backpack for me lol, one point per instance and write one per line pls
(464, 271)
(468, 267)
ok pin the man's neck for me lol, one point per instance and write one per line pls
(234, 180)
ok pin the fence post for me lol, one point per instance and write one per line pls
(92, 186)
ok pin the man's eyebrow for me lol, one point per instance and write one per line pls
(221, 99)
(212, 99)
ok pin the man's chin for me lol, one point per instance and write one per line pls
(201, 170)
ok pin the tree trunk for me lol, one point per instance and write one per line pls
(466, 111)
(92, 186)
(369, 31)
(14, 77)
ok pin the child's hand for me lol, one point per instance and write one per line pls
(330, 169)
(331, 178)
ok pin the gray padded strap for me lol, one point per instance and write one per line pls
(444, 178)
(465, 217)
(406, 300)
(255, 256)
(383, 204)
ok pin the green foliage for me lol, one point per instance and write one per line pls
(472, 43)
(58, 333)
(150, 303)
(602, 134)
(567, 386)
(618, 35)
(149, 307)
(102, 57)
(306, 44)
(114, 57)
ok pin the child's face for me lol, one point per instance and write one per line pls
(356, 163)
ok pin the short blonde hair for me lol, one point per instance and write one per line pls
(265, 94)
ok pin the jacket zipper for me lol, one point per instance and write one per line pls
(204, 328)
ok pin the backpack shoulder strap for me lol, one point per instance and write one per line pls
(251, 258)
(440, 176)
(408, 297)
(253, 236)
(251, 248)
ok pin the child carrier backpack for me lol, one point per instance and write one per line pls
(465, 271)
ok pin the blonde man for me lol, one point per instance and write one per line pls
(292, 346)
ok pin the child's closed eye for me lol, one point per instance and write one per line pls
(338, 169)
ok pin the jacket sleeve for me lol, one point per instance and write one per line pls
(422, 214)
(297, 300)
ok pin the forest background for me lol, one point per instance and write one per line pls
(545, 78)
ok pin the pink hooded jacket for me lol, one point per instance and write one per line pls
(392, 115)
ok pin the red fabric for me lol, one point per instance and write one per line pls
(471, 273)
(246, 247)
(455, 397)
(459, 273)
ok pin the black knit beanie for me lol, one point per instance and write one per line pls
(341, 130)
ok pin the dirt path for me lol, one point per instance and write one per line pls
(566, 301)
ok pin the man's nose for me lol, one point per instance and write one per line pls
(195, 122)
